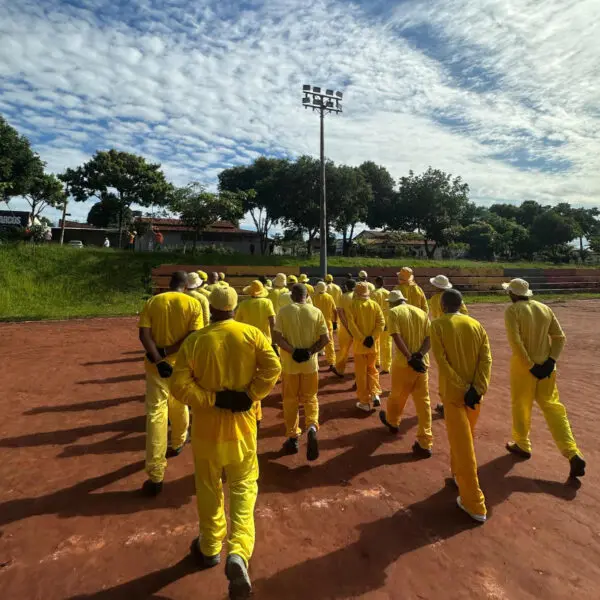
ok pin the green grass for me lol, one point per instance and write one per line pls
(503, 298)
(53, 282)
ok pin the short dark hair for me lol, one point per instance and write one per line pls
(350, 284)
(263, 279)
(299, 290)
(452, 299)
(379, 280)
(179, 279)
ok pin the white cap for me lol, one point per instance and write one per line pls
(441, 282)
(363, 274)
(395, 296)
(194, 281)
(519, 287)
(320, 288)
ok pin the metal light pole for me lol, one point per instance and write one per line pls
(323, 102)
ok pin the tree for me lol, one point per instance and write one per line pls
(384, 193)
(480, 237)
(584, 221)
(45, 190)
(127, 177)
(551, 230)
(20, 166)
(201, 209)
(432, 204)
(108, 213)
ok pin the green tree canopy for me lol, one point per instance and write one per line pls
(46, 190)
(383, 188)
(109, 213)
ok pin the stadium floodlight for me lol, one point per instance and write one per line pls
(323, 103)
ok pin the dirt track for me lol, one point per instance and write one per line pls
(364, 521)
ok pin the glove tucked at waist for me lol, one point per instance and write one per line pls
(472, 398)
(233, 401)
(165, 370)
(416, 363)
(161, 351)
(543, 371)
(369, 342)
(301, 355)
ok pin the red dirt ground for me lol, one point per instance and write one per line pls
(364, 521)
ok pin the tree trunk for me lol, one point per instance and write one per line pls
(581, 247)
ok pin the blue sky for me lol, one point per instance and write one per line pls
(504, 93)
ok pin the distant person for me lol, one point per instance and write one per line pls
(364, 276)
(222, 281)
(131, 240)
(462, 352)
(193, 286)
(304, 280)
(166, 321)
(325, 303)
(106, 243)
(344, 335)
(212, 282)
(410, 290)
(204, 279)
(442, 283)
(48, 236)
(159, 240)
(257, 310)
(335, 291)
(537, 341)
(384, 346)
(279, 288)
(252, 249)
(221, 373)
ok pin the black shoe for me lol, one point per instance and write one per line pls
(421, 452)
(152, 489)
(514, 449)
(354, 387)
(236, 571)
(384, 373)
(290, 446)
(173, 452)
(383, 419)
(202, 561)
(577, 467)
(333, 369)
(439, 409)
(312, 449)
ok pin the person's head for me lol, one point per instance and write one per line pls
(328, 278)
(280, 280)
(361, 290)
(518, 290)
(221, 276)
(256, 290)
(292, 280)
(178, 281)
(441, 282)
(194, 281)
(451, 301)
(349, 276)
(213, 278)
(320, 288)
(203, 276)
(299, 293)
(349, 284)
(262, 279)
(303, 278)
(363, 276)
(395, 298)
(378, 282)
(405, 275)
(223, 301)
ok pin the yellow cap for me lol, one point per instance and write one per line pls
(223, 298)
(222, 276)
(269, 284)
(256, 289)
(303, 278)
(362, 289)
(329, 278)
(292, 279)
(203, 275)
(320, 288)
(405, 275)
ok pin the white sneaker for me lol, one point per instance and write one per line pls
(376, 401)
(364, 407)
(478, 518)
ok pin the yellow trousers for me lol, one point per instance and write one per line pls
(300, 388)
(330, 348)
(525, 388)
(367, 377)
(384, 351)
(242, 480)
(161, 408)
(345, 342)
(460, 425)
(406, 381)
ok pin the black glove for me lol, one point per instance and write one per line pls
(335, 325)
(538, 371)
(165, 370)
(472, 398)
(369, 342)
(275, 348)
(416, 363)
(161, 351)
(301, 355)
(547, 368)
(233, 401)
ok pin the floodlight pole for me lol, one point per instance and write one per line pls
(323, 234)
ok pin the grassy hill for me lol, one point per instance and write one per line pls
(53, 282)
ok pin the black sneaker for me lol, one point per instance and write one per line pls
(421, 452)
(151, 488)
(202, 561)
(332, 369)
(173, 452)
(439, 409)
(514, 449)
(312, 449)
(236, 571)
(290, 446)
(577, 467)
(383, 419)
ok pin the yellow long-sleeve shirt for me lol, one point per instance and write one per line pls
(310, 289)
(170, 317)
(203, 303)
(462, 351)
(225, 355)
(435, 306)
(256, 312)
(365, 318)
(325, 303)
(380, 296)
(301, 325)
(275, 295)
(202, 290)
(413, 326)
(414, 295)
(335, 291)
(534, 333)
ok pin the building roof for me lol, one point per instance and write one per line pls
(178, 225)
(387, 237)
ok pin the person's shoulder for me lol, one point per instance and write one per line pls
(416, 310)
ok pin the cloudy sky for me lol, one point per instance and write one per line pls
(505, 93)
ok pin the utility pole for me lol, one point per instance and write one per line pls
(62, 225)
(328, 102)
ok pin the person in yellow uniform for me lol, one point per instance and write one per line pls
(291, 280)
(300, 332)
(221, 372)
(335, 291)
(384, 346)
(410, 290)
(222, 281)
(410, 330)
(309, 288)
(462, 352)
(203, 278)
(536, 340)
(366, 322)
(257, 310)
(193, 289)
(165, 322)
(344, 335)
(364, 276)
(325, 303)
(212, 282)
(279, 288)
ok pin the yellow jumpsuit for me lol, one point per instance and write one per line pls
(412, 325)
(274, 296)
(234, 356)
(335, 291)
(170, 317)
(365, 318)
(435, 306)
(301, 325)
(203, 299)
(462, 351)
(534, 335)
(384, 346)
(325, 303)
(414, 295)
(344, 336)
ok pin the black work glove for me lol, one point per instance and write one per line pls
(472, 398)
(538, 371)
(301, 355)
(369, 342)
(335, 325)
(547, 368)
(161, 351)
(165, 370)
(416, 363)
(233, 401)
(275, 348)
